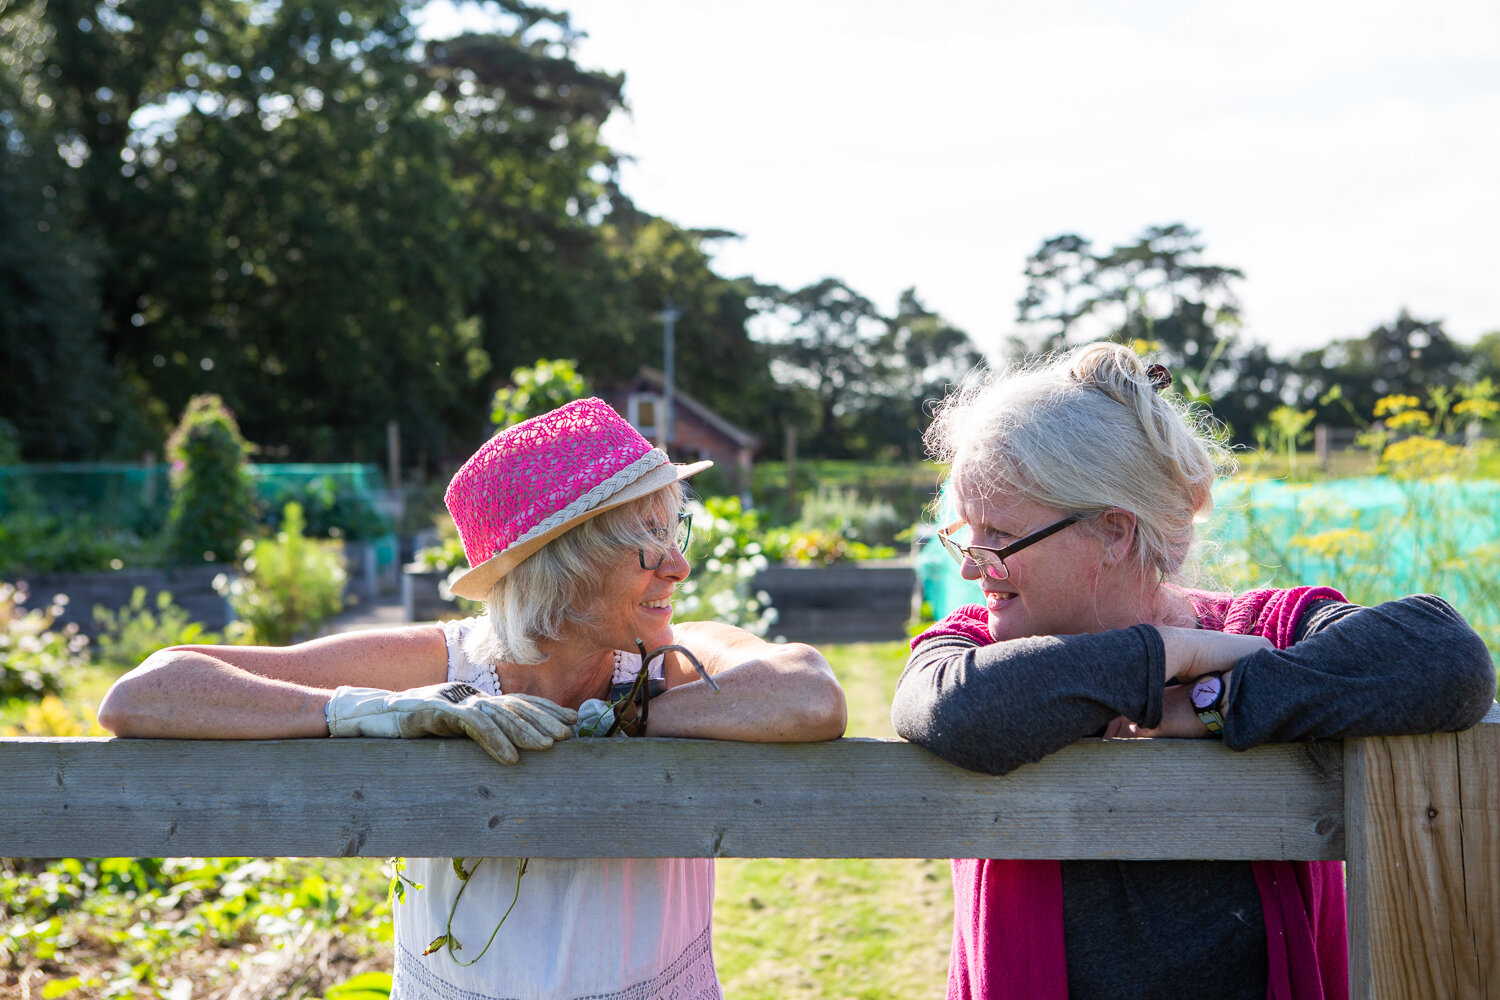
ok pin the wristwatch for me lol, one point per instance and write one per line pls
(1207, 696)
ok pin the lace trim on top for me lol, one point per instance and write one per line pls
(483, 677)
(460, 667)
(691, 976)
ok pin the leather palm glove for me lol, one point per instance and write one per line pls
(499, 723)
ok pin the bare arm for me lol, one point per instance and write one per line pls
(262, 692)
(768, 692)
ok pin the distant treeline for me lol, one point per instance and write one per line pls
(331, 223)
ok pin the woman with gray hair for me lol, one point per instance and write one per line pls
(574, 531)
(1077, 482)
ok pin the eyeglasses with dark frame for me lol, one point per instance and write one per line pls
(990, 560)
(680, 538)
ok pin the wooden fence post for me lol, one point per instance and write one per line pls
(1422, 831)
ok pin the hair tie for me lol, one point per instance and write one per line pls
(1160, 378)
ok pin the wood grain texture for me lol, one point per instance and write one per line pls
(1424, 863)
(663, 798)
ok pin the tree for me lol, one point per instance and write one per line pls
(1156, 292)
(928, 356)
(825, 356)
(328, 223)
(213, 501)
(656, 262)
(60, 395)
(1487, 356)
(1059, 287)
(1408, 355)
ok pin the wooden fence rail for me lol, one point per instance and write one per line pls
(1416, 817)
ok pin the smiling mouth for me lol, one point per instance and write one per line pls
(664, 603)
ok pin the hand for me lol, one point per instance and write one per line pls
(1179, 720)
(1193, 652)
(500, 724)
(595, 717)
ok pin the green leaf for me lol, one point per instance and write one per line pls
(365, 986)
(58, 987)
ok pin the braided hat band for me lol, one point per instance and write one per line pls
(530, 483)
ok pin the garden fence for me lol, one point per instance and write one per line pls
(1417, 818)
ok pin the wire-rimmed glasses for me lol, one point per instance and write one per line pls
(680, 536)
(990, 560)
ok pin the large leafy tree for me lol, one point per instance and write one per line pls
(1060, 288)
(329, 223)
(927, 356)
(1158, 291)
(57, 391)
(1407, 355)
(826, 354)
(853, 382)
(661, 265)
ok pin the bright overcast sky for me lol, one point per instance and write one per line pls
(1345, 156)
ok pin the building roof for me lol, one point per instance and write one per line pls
(657, 381)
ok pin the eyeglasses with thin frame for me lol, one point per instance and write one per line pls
(680, 537)
(990, 560)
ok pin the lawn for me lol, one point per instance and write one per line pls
(295, 928)
(840, 928)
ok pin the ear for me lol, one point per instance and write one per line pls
(1116, 529)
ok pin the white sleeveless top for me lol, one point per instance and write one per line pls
(595, 928)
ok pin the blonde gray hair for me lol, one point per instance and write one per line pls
(558, 587)
(1084, 432)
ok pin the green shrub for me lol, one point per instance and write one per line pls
(726, 554)
(39, 541)
(844, 512)
(34, 656)
(129, 635)
(837, 525)
(213, 499)
(329, 512)
(533, 391)
(445, 556)
(290, 583)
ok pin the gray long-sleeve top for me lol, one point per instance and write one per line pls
(1143, 929)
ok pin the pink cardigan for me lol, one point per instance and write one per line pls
(1007, 915)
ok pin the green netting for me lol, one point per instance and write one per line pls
(1373, 538)
(136, 498)
(129, 497)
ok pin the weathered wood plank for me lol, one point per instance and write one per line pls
(655, 798)
(1424, 864)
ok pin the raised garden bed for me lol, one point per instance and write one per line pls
(846, 602)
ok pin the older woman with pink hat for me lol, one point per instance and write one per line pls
(574, 532)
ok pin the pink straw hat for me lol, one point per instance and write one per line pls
(532, 482)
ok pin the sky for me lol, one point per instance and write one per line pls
(1345, 156)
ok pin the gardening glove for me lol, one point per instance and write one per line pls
(499, 723)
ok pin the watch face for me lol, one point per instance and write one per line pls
(1206, 691)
